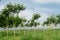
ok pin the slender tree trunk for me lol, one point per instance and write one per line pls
(4, 33)
(7, 31)
(24, 32)
(7, 26)
(19, 30)
(14, 32)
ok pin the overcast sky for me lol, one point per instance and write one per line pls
(43, 7)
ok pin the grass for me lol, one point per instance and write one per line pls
(31, 35)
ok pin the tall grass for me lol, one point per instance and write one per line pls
(31, 35)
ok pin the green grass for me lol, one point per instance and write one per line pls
(31, 35)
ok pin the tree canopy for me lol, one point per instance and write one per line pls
(33, 21)
(7, 15)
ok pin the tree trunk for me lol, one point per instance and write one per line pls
(4, 33)
(24, 32)
(14, 31)
(7, 31)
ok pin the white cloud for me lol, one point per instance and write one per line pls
(42, 9)
(43, 17)
(46, 1)
(26, 13)
(1, 7)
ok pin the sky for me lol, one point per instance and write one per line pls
(44, 7)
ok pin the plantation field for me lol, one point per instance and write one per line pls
(31, 35)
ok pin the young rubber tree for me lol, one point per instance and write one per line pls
(5, 13)
(33, 21)
(50, 20)
(11, 9)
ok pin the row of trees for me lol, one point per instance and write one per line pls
(52, 20)
(8, 18)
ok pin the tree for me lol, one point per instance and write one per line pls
(50, 20)
(8, 13)
(36, 16)
(15, 9)
(33, 22)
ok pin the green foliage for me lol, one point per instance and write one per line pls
(36, 16)
(45, 23)
(58, 17)
(7, 15)
(5, 12)
(2, 21)
(33, 20)
(16, 8)
(51, 20)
